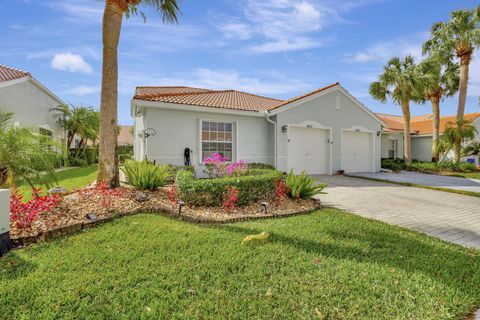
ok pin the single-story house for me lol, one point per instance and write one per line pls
(33, 105)
(321, 132)
(421, 135)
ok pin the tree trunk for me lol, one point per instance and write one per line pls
(407, 152)
(436, 126)
(458, 151)
(462, 92)
(108, 160)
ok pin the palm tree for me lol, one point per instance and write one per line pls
(401, 81)
(80, 121)
(455, 134)
(23, 155)
(473, 149)
(458, 37)
(112, 23)
(444, 83)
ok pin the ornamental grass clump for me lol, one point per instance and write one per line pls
(144, 175)
(303, 186)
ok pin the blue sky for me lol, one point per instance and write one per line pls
(279, 48)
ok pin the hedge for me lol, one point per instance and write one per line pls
(447, 166)
(257, 184)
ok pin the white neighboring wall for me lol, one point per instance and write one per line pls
(31, 105)
(4, 219)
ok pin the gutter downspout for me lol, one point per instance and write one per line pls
(267, 115)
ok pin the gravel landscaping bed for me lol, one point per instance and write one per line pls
(71, 214)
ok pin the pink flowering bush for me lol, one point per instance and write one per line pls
(24, 214)
(218, 166)
(236, 168)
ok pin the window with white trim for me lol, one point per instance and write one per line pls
(392, 149)
(217, 137)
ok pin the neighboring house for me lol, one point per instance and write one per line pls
(421, 135)
(31, 102)
(125, 136)
(320, 132)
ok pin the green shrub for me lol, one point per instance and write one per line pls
(395, 165)
(257, 185)
(77, 162)
(445, 166)
(260, 166)
(303, 186)
(144, 175)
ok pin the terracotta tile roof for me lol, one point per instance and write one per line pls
(166, 90)
(421, 124)
(304, 95)
(8, 73)
(125, 136)
(227, 99)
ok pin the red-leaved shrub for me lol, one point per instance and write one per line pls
(280, 191)
(231, 198)
(23, 214)
(106, 194)
(172, 194)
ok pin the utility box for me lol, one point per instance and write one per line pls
(4, 221)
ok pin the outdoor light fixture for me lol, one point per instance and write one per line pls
(378, 133)
(265, 207)
(91, 216)
(284, 128)
(181, 204)
(147, 133)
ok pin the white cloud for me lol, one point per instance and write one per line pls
(83, 90)
(271, 83)
(236, 31)
(285, 45)
(285, 25)
(382, 51)
(70, 62)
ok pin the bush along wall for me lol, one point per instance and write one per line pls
(257, 184)
(446, 166)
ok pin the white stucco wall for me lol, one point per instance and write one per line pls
(31, 107)
(4, 211)
(386, 138)
(322, 111)
(422, 148)
(177, 129)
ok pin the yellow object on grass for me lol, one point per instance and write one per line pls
(256, 238)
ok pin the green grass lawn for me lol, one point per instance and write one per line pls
(70, 178)
(328, 265)
(470, 175)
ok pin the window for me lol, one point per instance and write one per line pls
(392, 149)
(217, 137)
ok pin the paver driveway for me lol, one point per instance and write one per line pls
(451, 217)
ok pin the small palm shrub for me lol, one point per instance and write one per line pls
(303, 186)
(144, 175)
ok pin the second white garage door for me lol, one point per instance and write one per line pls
(357, 149)
(308, 150)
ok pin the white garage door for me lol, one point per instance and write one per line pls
(308, 150)
(356, 151)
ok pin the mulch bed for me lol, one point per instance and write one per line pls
(71, 213)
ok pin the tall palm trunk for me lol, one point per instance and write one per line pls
(108, 161)
(407, 150)
(462, 92)
(436, 126)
